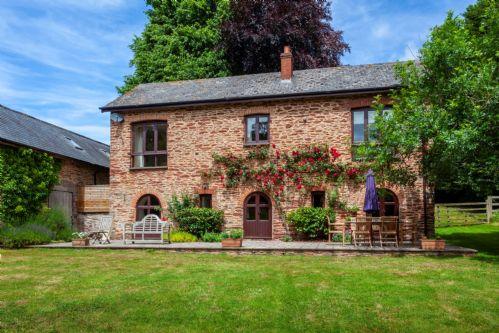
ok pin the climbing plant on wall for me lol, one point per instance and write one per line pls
(280, 173)
(26, 178)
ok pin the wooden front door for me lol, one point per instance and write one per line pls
(257, 216)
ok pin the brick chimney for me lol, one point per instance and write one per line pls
(286, 64)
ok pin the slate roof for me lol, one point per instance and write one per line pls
(21, 129)
(334, 80)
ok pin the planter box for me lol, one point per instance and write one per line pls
(81, 242)
(433, 244)
(229, 242)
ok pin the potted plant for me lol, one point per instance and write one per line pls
(432, 244)
(80, 239)
(232, 238)
(352, 210)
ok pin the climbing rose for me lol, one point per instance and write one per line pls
(334, 153)
(352, 172)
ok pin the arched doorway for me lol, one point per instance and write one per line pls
(148, 204)
(257, 222)
(388, 202)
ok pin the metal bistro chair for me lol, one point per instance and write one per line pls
(362, 232)
(103, 231)
(336, 228)
(388, 231)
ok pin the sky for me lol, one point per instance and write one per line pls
(60, 60)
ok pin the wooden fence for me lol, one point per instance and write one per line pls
(93, 199)
(466, 213)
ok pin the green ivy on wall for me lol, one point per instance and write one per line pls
(26, 179)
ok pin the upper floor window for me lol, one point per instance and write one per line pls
(149, 145)
(363, 129)
(257, 129)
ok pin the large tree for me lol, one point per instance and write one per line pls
(179, 42)
(446, 114)
(257, 30)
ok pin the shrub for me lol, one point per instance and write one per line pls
(211, 237)
(199, 221)
(56, 221)
(29, 234)
(182, 237)
(26, 178)
(232, 233)
(338, 238)
(310, 221)
(176, 204)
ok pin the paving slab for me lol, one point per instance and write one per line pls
(274, 247)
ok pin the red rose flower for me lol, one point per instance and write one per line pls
(334, 153)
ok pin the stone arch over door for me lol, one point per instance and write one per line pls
(257, 216)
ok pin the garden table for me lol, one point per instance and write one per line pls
(375, 223)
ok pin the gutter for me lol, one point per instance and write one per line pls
(263, 98)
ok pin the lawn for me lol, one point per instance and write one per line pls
(147, 291)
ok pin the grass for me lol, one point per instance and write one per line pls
(145, 291)
(483, 237)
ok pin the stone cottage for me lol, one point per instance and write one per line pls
(163, 137)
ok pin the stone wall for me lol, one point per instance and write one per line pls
(80, 173)
(74, 174)
(195, 133)
(90, 221)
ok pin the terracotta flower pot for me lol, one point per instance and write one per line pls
(230, 242)
(433, 244)
(81, 242)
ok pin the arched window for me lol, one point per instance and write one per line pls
(148, 204)
(388, 202)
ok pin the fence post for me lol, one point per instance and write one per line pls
(489, 209)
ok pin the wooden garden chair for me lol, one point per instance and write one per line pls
(362, 231)
(388, 231)
(336, 228)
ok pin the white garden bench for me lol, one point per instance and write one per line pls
(150, 225)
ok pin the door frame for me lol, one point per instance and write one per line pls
(257, 214)
(382, 202)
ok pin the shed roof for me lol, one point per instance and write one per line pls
(22, 129)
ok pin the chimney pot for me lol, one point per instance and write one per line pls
(286, 64)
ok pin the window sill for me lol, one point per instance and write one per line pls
(149, 168)
(256, 144)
